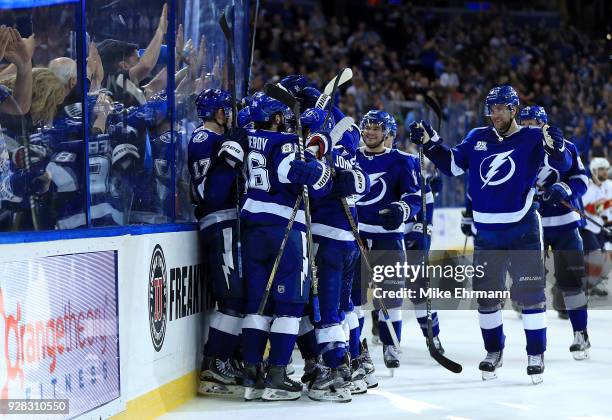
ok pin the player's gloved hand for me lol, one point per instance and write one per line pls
(231, 148)
(318, 144)
(295, 84)
(422, 133)
(607, 234)
(394, 215)
(309, 97)
(24, 183)
(349, 182)
(554, 144)
(467, 223)
(306, 172)
(557, 192)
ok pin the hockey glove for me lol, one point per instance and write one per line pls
(554, 144)
(309, 97)
(349, 182)
(467, 223)
(318, 144)
(394, 215)
(307, 172)
(295, 84)
(422, 133)
(25, 183)
(231, 149)
(557, 192)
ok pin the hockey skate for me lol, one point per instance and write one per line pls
(310, 369)
(358, 383)
(581, 345)
(279, 386)
(368, 366)
(437, 344)
(490, 364)
(329, 385)
(219, 378)
(391, 357)
(253, 381)
(535, 368)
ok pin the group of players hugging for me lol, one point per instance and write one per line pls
(251, 186)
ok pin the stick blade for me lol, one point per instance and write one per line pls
(280, 94)
(344, 76)
(442, 360)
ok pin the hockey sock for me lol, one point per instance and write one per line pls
(255, 332)
(283, 335)
(576, 304)
(421, 316)
(492, 328)
(360, 316)
(354, 330)
(223, 335)
(306, 340)
(332, 344)
(534, 322)
(395, 315)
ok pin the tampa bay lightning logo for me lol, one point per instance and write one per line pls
(376, 180)
(547, 175)
(497, 169)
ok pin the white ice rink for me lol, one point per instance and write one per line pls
(422, 389)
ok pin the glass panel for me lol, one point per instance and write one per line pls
(203, 65)
(41, 141)
(130, 146)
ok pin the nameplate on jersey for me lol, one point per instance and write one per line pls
(258, 143)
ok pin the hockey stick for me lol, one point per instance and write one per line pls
(32, 201)
(229, 37)
(250, 74)
(435, 107)
(281, 251)
(584, 215)
(342, 77)
(289, 100)
(433, 351)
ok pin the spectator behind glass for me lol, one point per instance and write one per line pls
(48, 92)
(124, 71)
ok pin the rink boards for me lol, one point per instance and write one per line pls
(113, 324)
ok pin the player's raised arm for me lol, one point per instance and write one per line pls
(451, 161)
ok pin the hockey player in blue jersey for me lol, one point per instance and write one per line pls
(212, 156)
(394, 198)
(337, 256)
(503, 162)
(561, 226)
(275, 178)
(414, 240)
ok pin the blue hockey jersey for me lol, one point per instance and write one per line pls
(213, 181)
(329, 220)
(270, 196)
(393, 177)
(560, 217)
(502, 172)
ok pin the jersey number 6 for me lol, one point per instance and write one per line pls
(258, 174)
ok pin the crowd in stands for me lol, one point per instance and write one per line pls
(399, 53)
